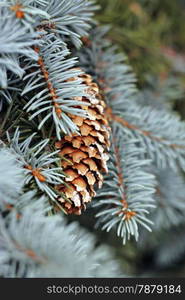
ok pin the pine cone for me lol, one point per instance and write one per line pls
(84, 155)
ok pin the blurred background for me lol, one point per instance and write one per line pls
(151, 34)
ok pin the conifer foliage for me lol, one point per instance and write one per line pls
(73, 130)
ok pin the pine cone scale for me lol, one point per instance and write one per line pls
(85, 153)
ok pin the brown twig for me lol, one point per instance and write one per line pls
(128, 214)
(113, 117)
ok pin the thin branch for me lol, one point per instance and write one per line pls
(50, 87)
(122, 121)
(121, 182)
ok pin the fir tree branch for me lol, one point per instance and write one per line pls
(15, 40)
(50, 257)
(11, 178)
(159, 131)
(56, 83)
(26, 11)
(126, 196)
(38, 165)
(128, 125)
(69, 19)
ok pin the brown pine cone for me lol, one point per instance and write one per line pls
(84, 155)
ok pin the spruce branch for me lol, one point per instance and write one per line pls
(26, 11)
(73, 255)
(15, 40)
(6, 94)
(11, 178)
(161, 132)
(108, 67)
(40, 166)
(126, 196)
(69, 19)
(56, 84)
